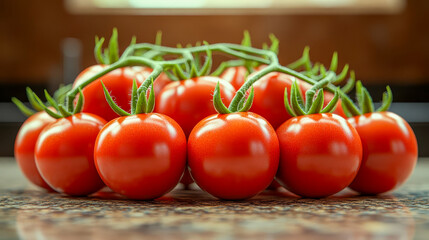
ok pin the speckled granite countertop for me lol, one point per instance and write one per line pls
(29, 213)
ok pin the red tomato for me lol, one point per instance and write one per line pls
(320, 154)
(233, 156)
(189, 101)
(119, 82)
(65, 154)
(141, 156)
(25, 144)
(235, 75)
(389, 152)
(269, 97)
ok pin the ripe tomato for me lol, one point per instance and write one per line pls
(389, 152)
(141, 156)
(320, 154)
(25, 144)
(235, 75)
(65, 154)
(269, 95)
(119, 82)
(233, 156)
(189, 101)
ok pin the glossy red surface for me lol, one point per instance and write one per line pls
(233, 156)
(389, 152)
(189, 101)
(141, 156)
(235, 75)
(65, 154)
(25, 144)
(320, 154)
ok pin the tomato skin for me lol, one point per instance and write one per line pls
(25, 144)
(235, 75)
(269, 97)
(320, 154)
(141, 156)
(65, 154)
(119, 83)
(389, 152)
(189, 101)
(233, 156)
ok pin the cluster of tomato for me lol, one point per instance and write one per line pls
(230, 153)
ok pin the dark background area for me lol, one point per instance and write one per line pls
(42, 45)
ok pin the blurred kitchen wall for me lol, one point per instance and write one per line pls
(383, 47)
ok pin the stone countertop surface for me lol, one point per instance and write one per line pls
(29, 213)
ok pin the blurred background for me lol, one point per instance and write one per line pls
(384, 41)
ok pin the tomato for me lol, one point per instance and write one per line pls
(141, 156)
(189, 101)
(233, 156)
(119, 82)
(235, 75)
(269, 95)
(389, 152)
(65, 154)
(25, 144)
(320, 154)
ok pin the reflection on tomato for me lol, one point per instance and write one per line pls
(119, 82)
(233, 156)
(235, 75)
(25, 144)
(320, 154)
(141, 156)
(389, 152)
(65, 154)
(189, 101)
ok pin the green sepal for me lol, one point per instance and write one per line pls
(348, 106)
(141, 103)
(34, 103)
(63, 111)
(61, 93)
(134, 97)
(217, 101)
(314, 70)
(275, 43)
(246, 39)
(303, 61)
(334, 62)
(287, 105)
(118, 110)
(207, 66)
(296, 99)
(317, 104)
(364, 99)
(46, 109)
(158, 38)
(249, 101)
(171, 75)
(21, 106)
(113, 47)
(387, 100)
(322, 71)
(50, 100)
(330, 107)
(180, 73)
(79, 105)
(98, 50)
(350, 83)
(341, 76)
(151, 101)
(106, 56)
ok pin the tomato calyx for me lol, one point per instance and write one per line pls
(311, 105)
(139, 102)
(243, 106)
(365, 103)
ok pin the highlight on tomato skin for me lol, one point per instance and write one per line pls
(320, 154)
(25, 144)
(65, 154)
(389, 152)
(233, 156)
(141, 156)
